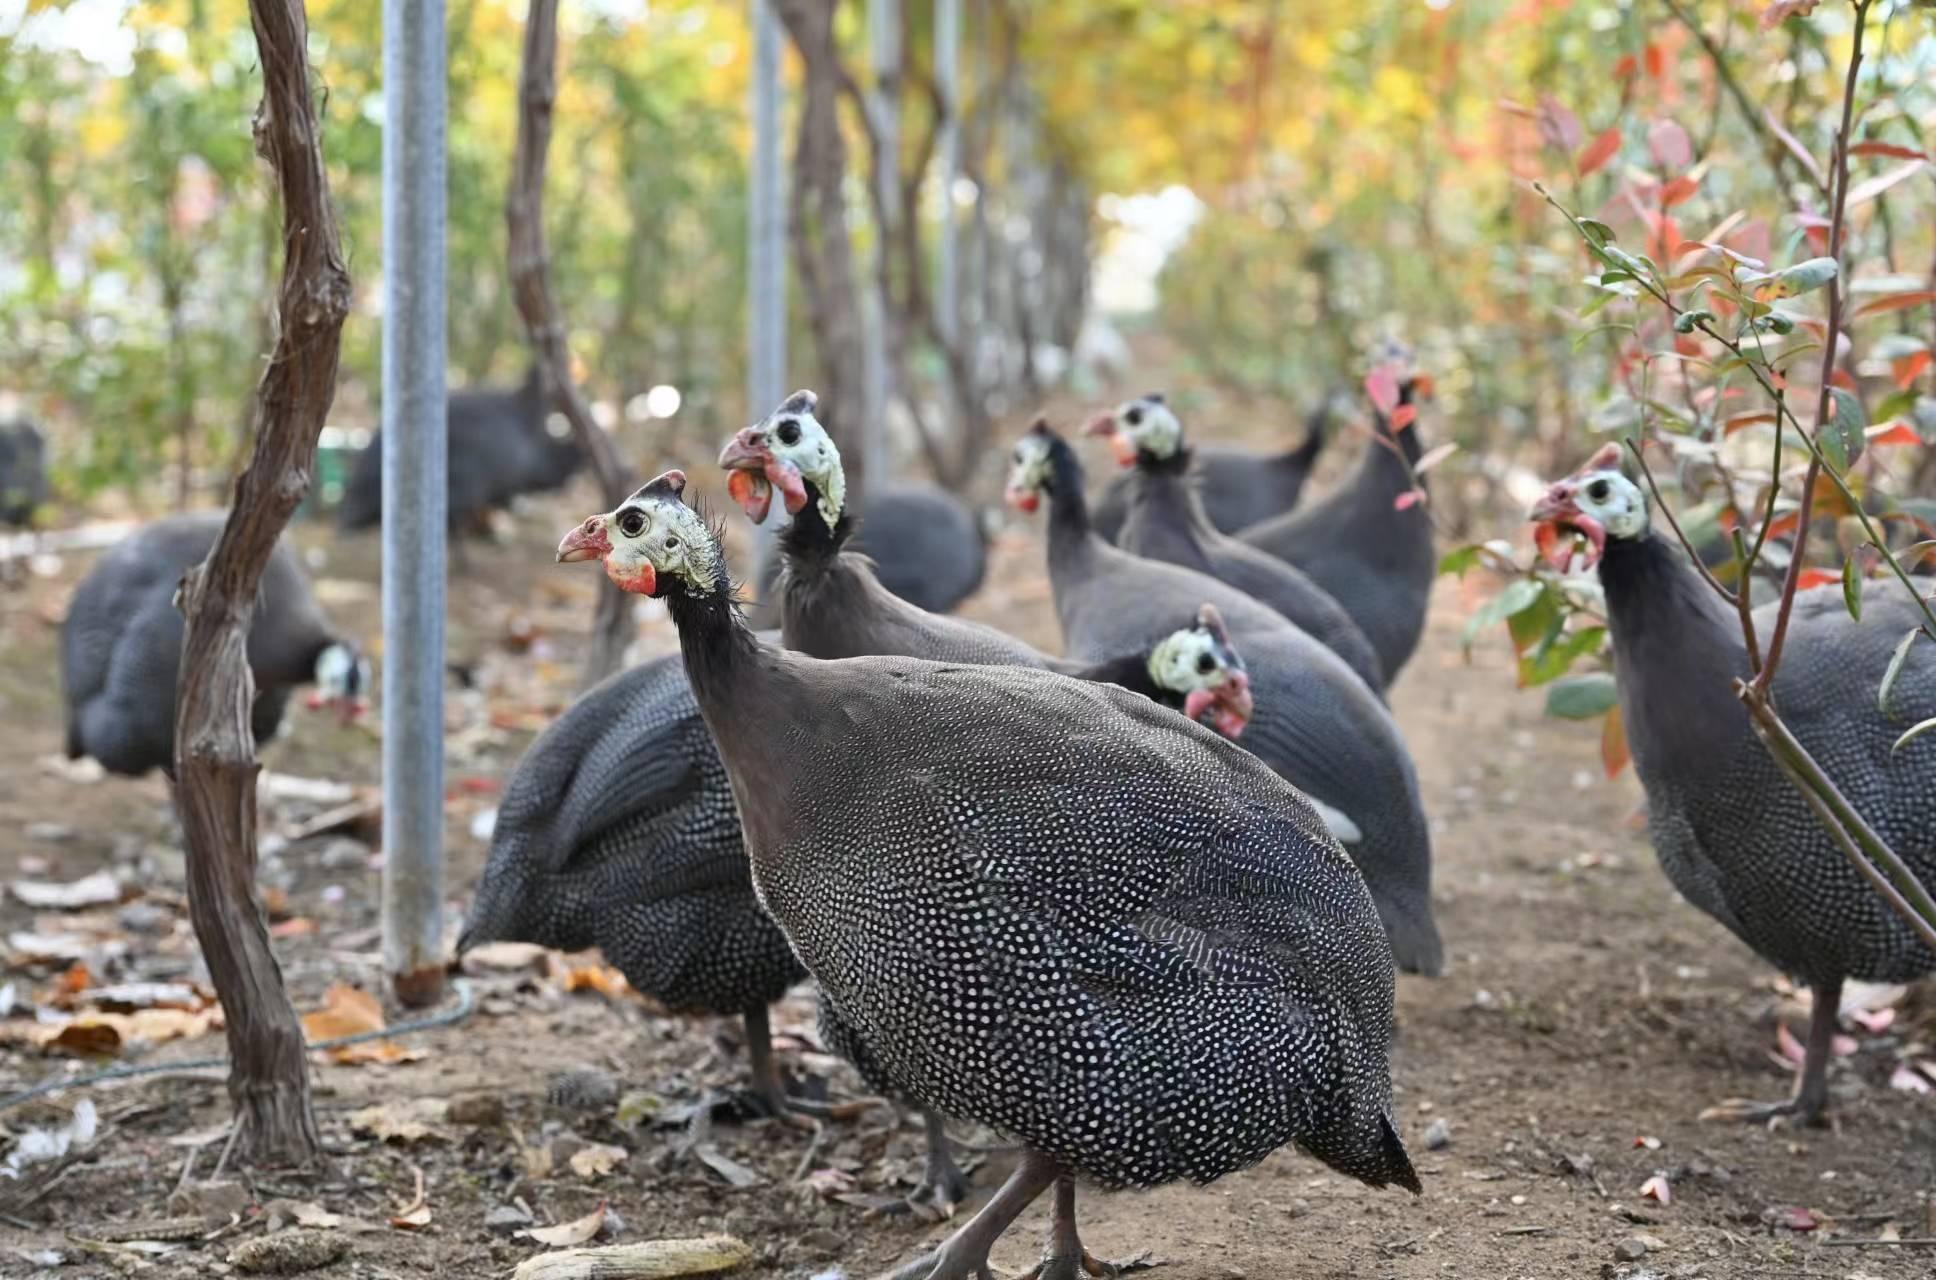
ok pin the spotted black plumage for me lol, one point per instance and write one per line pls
(1046, 905)
(1240, 488)
(928, 548)
(1371, 557)
(121, 644)
(1317, 723)
(617, 830)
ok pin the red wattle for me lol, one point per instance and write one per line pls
(785, 477)
(752, 492)
(1023, 500)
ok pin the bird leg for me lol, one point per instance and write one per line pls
(943, 1184)
(1065, 1258)
(1811, 1087)
(768, 1095)
(964, 1255)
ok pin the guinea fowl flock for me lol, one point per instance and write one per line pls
(1140, 904)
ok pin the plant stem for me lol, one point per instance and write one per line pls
(1839, 175)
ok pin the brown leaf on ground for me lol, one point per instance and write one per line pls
(405, 1121)
(597, 1160)
(567, 1234)
(570, 974)
(417, 1212)
(510, 956)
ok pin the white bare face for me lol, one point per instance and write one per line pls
(1149, 425)
(340, 674)
(793, 438)
(1029, 470)
(651, 540)
(1615, 501)
(1187, 660)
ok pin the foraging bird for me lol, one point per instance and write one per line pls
(928, 547)
(617, 830)
(500, 446)
(1239, 488)
(1167, 521)
(121, 647)
(1733, 833)
(1317, 724)
(1368, 543)
(23, 472)
(1045, 905)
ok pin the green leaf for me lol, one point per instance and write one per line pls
(1537, 623)
(1805, 277)
(1582, 697)
(1915, 732)
(1897, 404)
(1842, 436)
(1597, 233)
(1779, 323)
(1896, 660)
(1641, 266)
(1852, 588)
(1459, 559)
(1556, 656)
(1688, 321)
(1520, 593)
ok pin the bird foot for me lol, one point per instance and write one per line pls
(1086, 1266)
(1798, 1111)
(936, 1199)
(946, 1263)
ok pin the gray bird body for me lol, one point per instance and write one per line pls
(1167, 521)
(928, 548)
(1240, 488)
(499, 449)
(1072, 916)
(1733, 834)
(617, 830)
(1316, 722)
(122, 638)
(23, 472)
(1372, 558)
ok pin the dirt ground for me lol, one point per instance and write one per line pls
(1587, 1017)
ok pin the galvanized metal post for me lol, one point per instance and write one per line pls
(947, 78)
(766, 248)
(414, 497)
(884, 33)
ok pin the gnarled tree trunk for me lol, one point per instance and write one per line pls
(215, 766)
(530, 270)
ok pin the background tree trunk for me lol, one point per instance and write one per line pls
(530, 270)
(215, 766)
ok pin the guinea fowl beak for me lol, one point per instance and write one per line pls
(1556, 518)
(1022, 498)
(587, 542)
(753, 473)
(1229, 705)
(1103, 424)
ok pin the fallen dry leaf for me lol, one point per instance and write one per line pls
(1908, 1079)
(831, 1182)
(350, 1011)
(597, 1160)
(735, 1173)
(506, 955)
(567, 1234)
(417, 1212)
(405, 1121)
(662, 1259)
(571, 976)
(97, 890)
(1658, 1188)
(133, 997)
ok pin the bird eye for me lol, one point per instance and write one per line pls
(631, 524)
(789, 432)
(1599, 490)
(1206, 664)
(1134, 417)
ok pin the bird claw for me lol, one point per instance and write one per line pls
(944, 1264)
(1775, 1115)
(1065, 1267)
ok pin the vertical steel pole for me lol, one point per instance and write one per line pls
(414, 497)
(947, 77)
(884, 33)
(766, 251)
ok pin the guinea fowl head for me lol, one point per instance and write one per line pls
(1033, 464)
(653, 544)
(1596, 503)
(342, 681)
(784, 452)
(1145, 425)
(1200, 663)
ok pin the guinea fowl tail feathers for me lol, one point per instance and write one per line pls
(1314, 429)
(1398, 1164)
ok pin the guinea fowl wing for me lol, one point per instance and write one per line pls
(1082, 920)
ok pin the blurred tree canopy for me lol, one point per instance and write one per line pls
(1363, 171)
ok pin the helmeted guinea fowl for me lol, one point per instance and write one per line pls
(1317, 724)
(1239, 487)
(23, 472)
(617, 830)
(1370, 554)
(121, 646)
(500, 447)
(1045, 905)
(928, 547)
(1733, 834)
(1167, 522)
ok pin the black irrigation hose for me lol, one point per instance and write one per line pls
(430, 1022)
